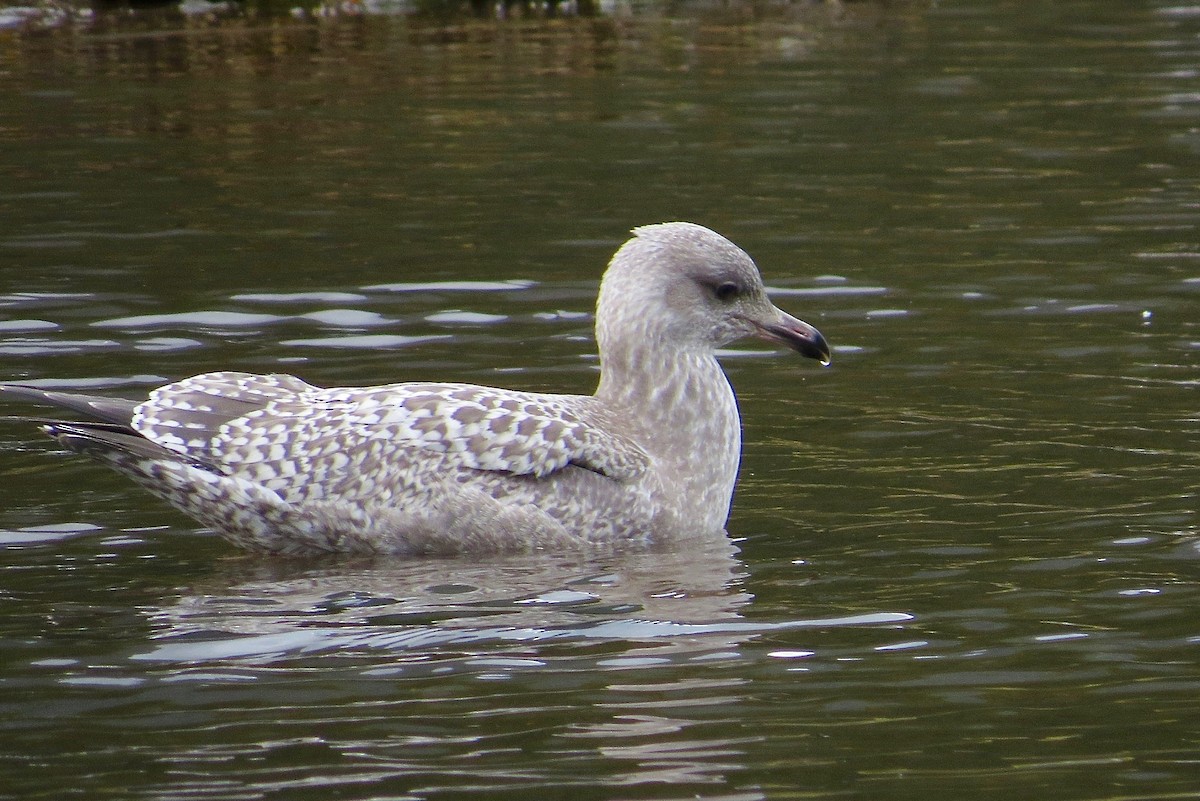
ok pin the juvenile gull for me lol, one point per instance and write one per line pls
(278, 465)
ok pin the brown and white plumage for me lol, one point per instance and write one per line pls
(276, 464)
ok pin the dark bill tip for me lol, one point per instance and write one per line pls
(797, 335)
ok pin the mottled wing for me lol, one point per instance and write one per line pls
(307, 442)
(485, 428)
(187, 416)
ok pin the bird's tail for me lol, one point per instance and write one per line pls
(113, 444)
(107, 410)
(108, 437)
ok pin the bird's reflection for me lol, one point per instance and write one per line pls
(647, 651)
(257, 608)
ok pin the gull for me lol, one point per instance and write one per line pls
(277, 465)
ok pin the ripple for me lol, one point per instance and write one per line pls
(907, 645)
(103, 681)
(561, 597)
(48, 195)
(261, 645)
(44, 298)
(347, 318)
(459, 317)
(1053, 307)
(17, 326)
(156, 344)
(187, 648)
(1179, 12)
(559, 314)
(1074, 635)
(76, 239)
(43, 242)
(452, 286)
(826, 291)
(364, 342)
(48, 347)
(300, 297)
(204, 319)
(42, 535)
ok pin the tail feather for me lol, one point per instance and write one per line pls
(114, 444)
(107, 410)
(108, 437)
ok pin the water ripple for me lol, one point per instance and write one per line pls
(452, 286)
(201, 319)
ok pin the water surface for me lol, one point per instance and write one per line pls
(962, 561)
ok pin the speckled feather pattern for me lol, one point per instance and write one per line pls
(403, 456)
(276, 464)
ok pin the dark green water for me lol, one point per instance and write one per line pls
(966, 555)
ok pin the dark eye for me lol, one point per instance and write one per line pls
(726, 291)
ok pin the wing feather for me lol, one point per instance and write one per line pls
(285, 433)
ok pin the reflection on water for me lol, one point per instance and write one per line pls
(515, 595)
(378, 674)
(676, 604)
(967, 550)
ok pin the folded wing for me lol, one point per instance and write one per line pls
(307, 442)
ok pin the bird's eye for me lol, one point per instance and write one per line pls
(726, 291)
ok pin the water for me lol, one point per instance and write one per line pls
(963, 560)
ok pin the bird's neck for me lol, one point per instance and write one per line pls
(686, 415)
